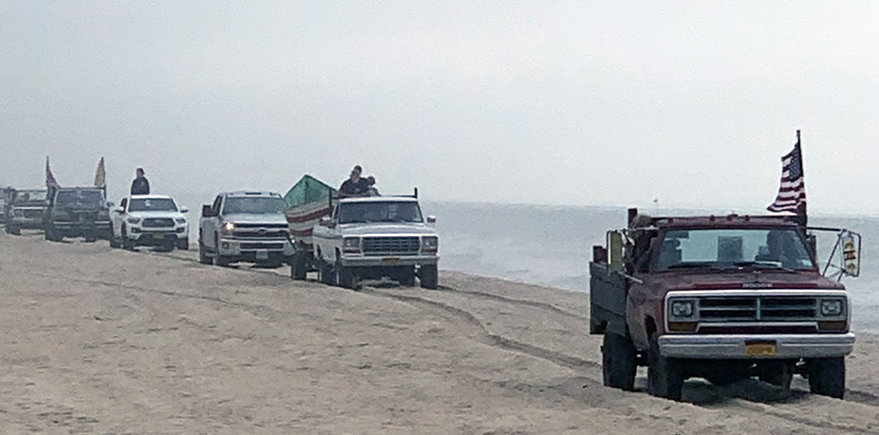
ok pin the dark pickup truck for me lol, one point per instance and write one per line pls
(77, 212)
(25, 209)
(721, 298)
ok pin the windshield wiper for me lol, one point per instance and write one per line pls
(763, 265)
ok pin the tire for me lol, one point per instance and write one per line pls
(344, 276)
(14, 230)
(114, 242)
(220, 260)
(827, 376)
(183, 244)
(325, 273)
(202, 255)
(618, 362)
(429, 277)
(665, 377)
(297, 267)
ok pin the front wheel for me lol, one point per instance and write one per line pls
(325, 273)
(665, 376)
(618, 362)
(827, 376)
(12, 229)
(183, 244)
(344, 276)
(297, 266)
(429, 276)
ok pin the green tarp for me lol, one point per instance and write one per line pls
(307, 190)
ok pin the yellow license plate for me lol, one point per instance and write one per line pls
(390, 261)
(762, 348)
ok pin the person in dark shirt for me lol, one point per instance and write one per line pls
(140, 185)
(354, 186)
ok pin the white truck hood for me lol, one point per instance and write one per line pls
(248, 218)
(156, 214)
(385, 228)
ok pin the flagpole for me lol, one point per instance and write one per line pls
(801, 208)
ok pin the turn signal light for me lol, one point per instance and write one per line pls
(834, 325)
(682, 326)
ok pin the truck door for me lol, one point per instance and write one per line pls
(210, 225)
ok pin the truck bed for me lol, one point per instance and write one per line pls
(607, 300)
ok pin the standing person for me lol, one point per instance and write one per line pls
(354, 185)
(371, 189)
(140, 185)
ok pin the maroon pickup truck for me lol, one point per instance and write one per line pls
(721, 298)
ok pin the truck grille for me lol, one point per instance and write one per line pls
(33, 214)
(390, 245)
(262, 233)
(270, 246)
(158, 222)
(757, 308)
(257, 226)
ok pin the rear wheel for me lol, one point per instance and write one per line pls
(429, 276)
(618, 362)
(297, 266)
(665, 377)
(827, 376)
(778, 373)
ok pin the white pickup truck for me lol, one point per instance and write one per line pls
(149, 220)
(376, 237)
(244, 226)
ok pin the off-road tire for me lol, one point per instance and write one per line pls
(429, 277)
(665, 376)
(326, 274)
(827, 376)
(618, 362)
(779, 374)
(407, 277)
(297, 267)
(344, 276)
(220, 260)
(183, 244)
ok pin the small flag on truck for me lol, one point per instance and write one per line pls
(792, 191)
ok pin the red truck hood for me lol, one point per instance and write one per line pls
(714, 280)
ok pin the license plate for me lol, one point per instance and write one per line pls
(390, 261)
(761, 348)
(262, 254)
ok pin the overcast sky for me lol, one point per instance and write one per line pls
(605, 103)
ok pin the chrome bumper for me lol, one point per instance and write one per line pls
(233, 247)
(789, 346)
(389, 261)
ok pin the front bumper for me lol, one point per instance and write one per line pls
(386, 261)
(27, 223)
(255, 248)
(789, 346)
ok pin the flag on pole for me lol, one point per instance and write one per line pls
(101, 175)
(50, 179)
(792, 192)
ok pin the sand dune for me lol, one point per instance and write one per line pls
(106, 341)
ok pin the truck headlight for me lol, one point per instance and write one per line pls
(682, 309)
(180, 220)
(351, 244)
(831, 307)
(134, 220)
(228, 227)
(430, 243)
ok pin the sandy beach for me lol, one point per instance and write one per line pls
(98, 340)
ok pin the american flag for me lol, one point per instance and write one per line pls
(50, 179)
(792, 191)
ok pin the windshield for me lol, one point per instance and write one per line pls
(152, 204)
(254, 205)
(385, 211)
(733, 249)
(30, 195)
(80, 198)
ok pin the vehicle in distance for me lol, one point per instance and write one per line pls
(149, 220)
(25, 209)
(721, 298)
(244, 227)
(376, 237)
(76, 212)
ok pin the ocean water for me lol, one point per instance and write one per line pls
(552, 245)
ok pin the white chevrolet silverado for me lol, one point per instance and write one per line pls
(376, 237)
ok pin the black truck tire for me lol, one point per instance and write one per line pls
(325, 273)
(429, 277)
(13, 229)
(618, 362)
(407, 276)
(778, 373)
(297, 266)
(183, 244)
(220, 260)
(665, 376)
(827, 376)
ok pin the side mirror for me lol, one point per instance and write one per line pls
(206, 210)
(184, 210)
(119, 210)
(431, 219)
(325, 221)
(851, 252)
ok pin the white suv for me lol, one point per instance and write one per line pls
(149, 220)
